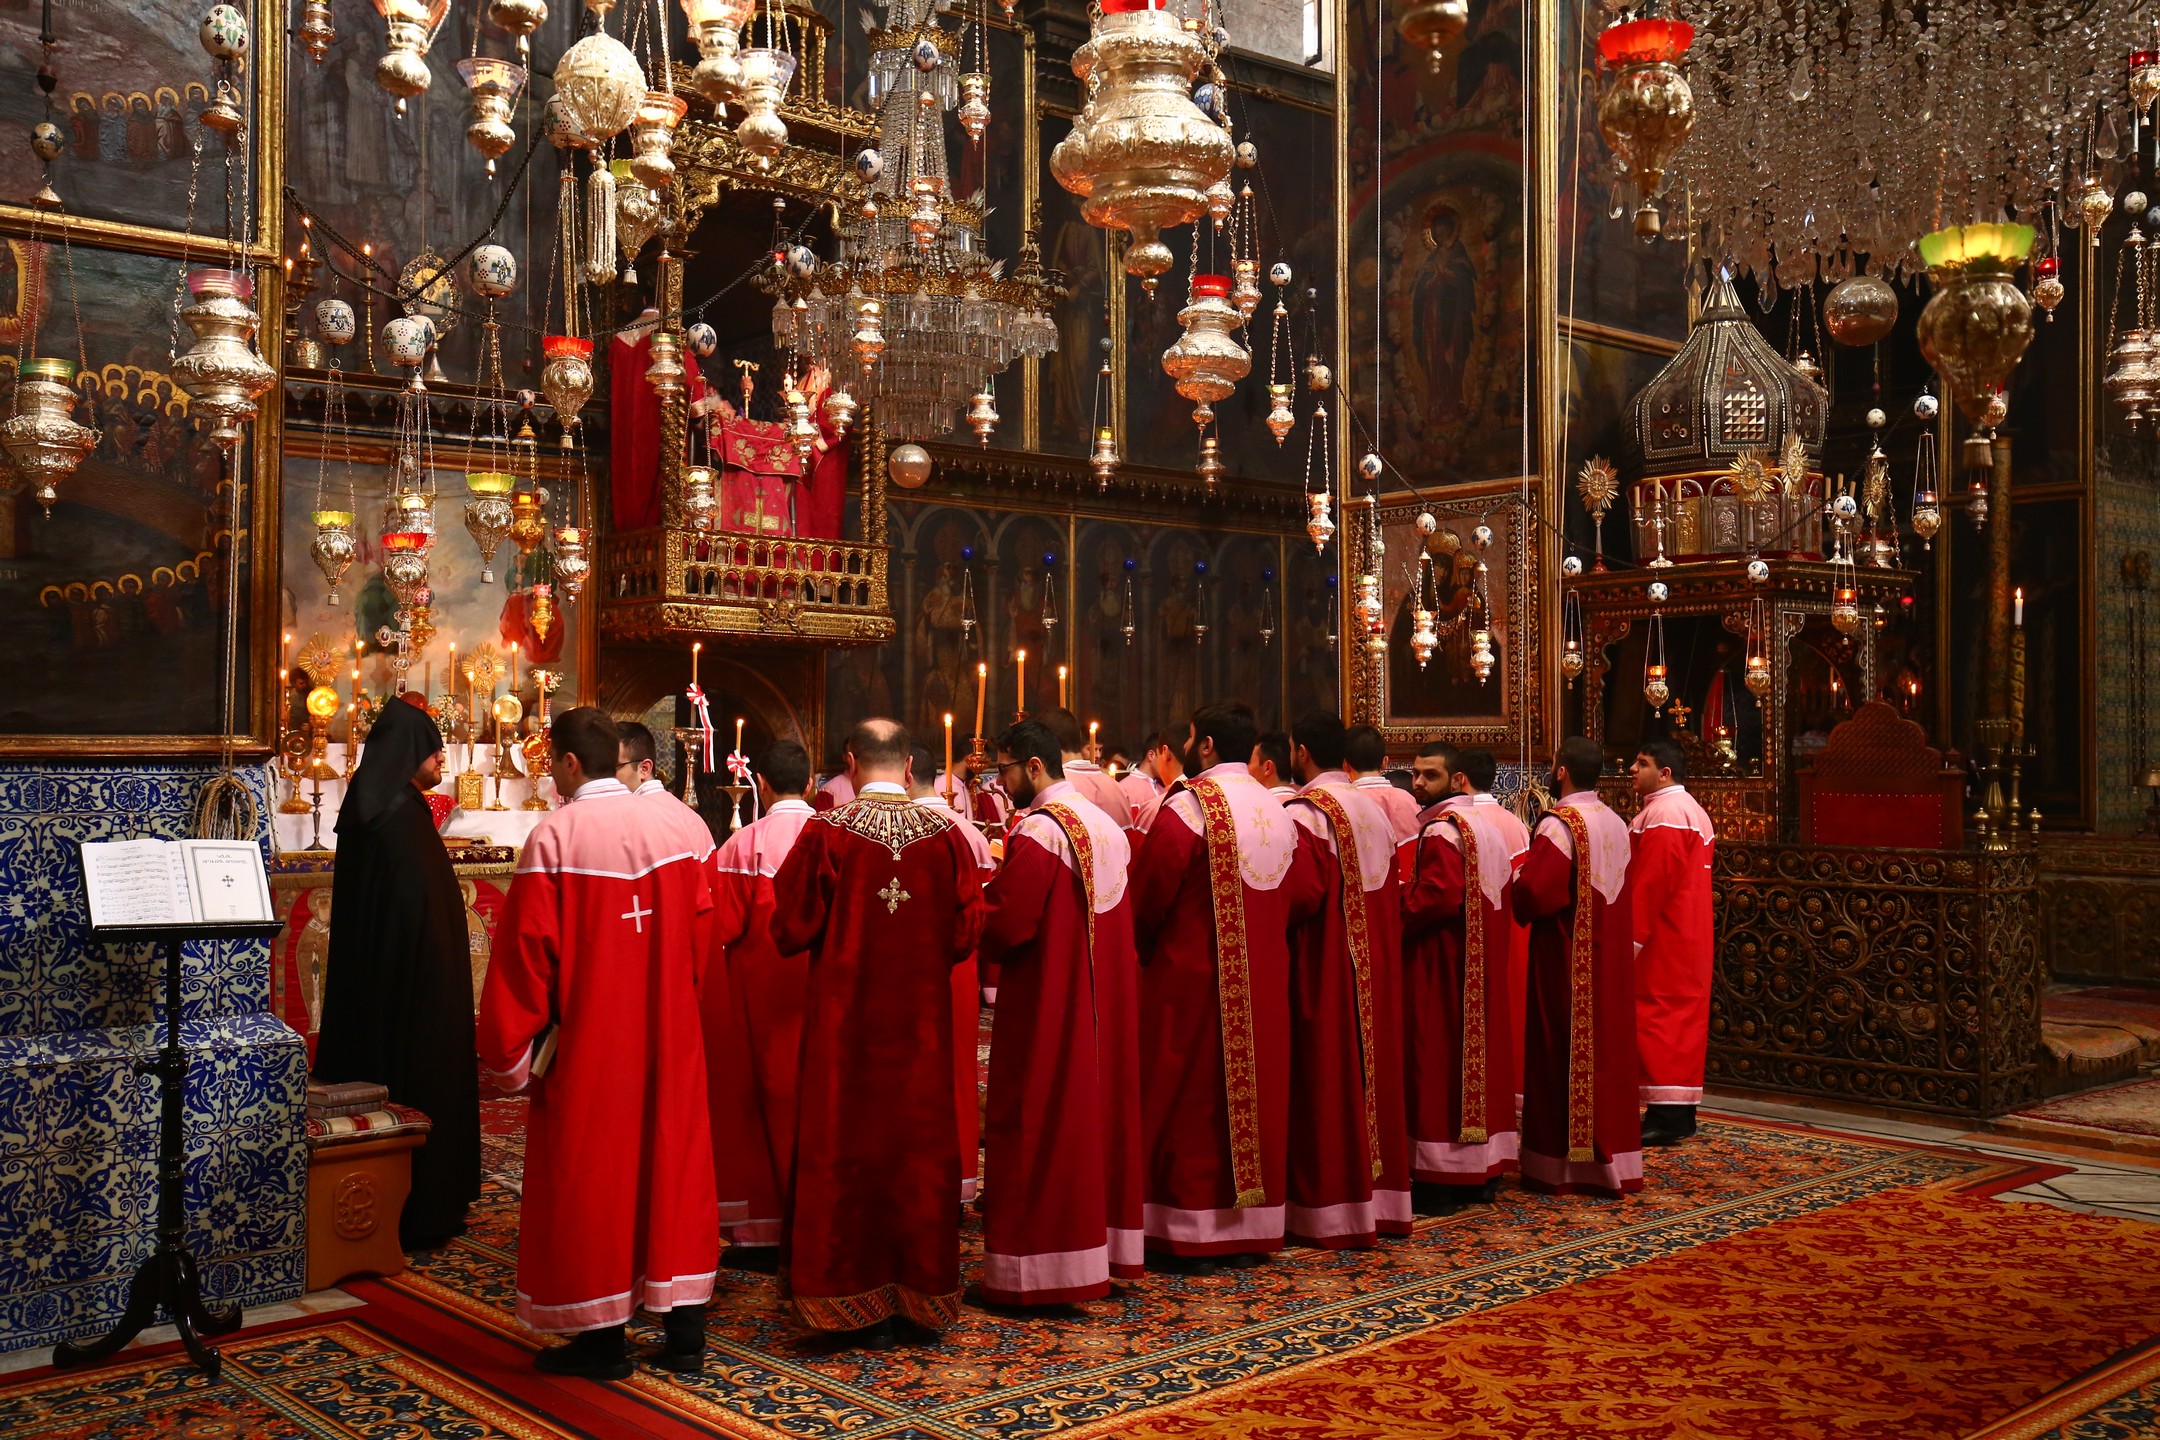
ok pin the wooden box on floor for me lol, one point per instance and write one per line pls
(359, 1173)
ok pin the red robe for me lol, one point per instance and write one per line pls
(1581, 1132)
(1398, 804)
(761, 1011)
(885, 895)
(1088, 778)
(1461, 1028)
(1064, 1213)
(1349, 1152)
(1669, 892)
(605, 928)
(1141, 793)
(833, 793)
(967, 1023)
(1216, 886)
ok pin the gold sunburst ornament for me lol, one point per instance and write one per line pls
(1599, 485)
(1792, 466)
(1751, 475)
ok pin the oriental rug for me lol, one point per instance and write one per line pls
(1168, 1342)
(2116, 1401)
(2128, 1109)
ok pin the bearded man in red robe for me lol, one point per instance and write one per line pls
(758, 1013)
(1221, 877)
(1081, 771)
(1460, 1016)
(1580, 1130)
(594, 985)
(885, 896)
(1063, 1138)
(1349, 1150)
(1669, 894)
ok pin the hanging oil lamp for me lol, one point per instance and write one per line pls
(1976, 325)
(802, 431)
(840, 410)
(1103, 460)
(540, 611)
(318, 30)
(335, 546)
(1319, 524)
(518, 17)
(665, 371)
(1571, 659)
(1481, 654)
(493, 87)
(1368, 602)
(1655, 689)
(599, 84)
(1211, 468)
(528, 521)
(1432, 26)
(716, 26)
(1845, 599)
(1757, 676)
(488, 515)
(572, 564)
(651, 133)
(410, 26)
(2048, 290)
(700, 504)
(42, 437)
(567, 378)
(1424, 639)
(974, 111)
(766, 75)
(221, 372)
(982, 415)
(868, 340)
(1206, 361)
(1646, 115)
(1245, 285)
(638, 218)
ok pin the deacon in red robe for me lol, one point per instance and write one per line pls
(837, 789)
(1081, 772)
(1669, 894)
(1349, 1151)
(602, 939)
(1459, 1016)
(1580, 1130)
(1220, 879)
(966, 983)
(1365, 757)
(885, 896)
(765, 1017)
(1164, 767)
(1063, 1214)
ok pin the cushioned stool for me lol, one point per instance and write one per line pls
(359, 1173)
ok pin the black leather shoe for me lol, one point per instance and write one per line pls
(685, 1329)
(592, 1355)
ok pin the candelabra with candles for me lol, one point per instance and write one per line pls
(2002, 819)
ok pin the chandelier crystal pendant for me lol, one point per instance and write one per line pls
(913, 304)
(1142, 155)
(1647, 112)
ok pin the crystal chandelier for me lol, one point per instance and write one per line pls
(914, 304)
(1832, 130)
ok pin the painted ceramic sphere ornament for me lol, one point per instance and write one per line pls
(1658, 592)
(1926, 406)
(703, 339)
(1571, 566)
(1482, 537)
(2134, 203)
(407, 338)
(909, 466)
(494, 271)
(1372, 467)
(801, 261)
(334, 320)
(1280, 273)
(1845, 506)
(925, 55)
(1246, 156)
(1427, 522)
(46, 140)
(1876, 419)
(224, 32)
(869, 164)
(1758, 570)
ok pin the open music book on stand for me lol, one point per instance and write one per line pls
(171, 892)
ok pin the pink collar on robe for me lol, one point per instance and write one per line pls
(1113, 854)
(1609, 848)
(1266, 837)
(1374, 832)
(1673, 808)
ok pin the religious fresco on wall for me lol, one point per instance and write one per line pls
(1450, 247)
(1205, 611)
(113, 610)
(133, 80)
(1467, 589)
(467, 611)
(1079, 252)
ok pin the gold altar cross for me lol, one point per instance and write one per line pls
(892, 895)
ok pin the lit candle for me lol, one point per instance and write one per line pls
(285, 652)
(695, 646)
(284, 699)
(2017, 614)
(948, 758)
(738, 734)
(1020, 680)
(982, 676)
(513, 670)
(1063, 701)
(1094, 750)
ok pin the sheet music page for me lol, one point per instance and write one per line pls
(135, 882)
(227, 880)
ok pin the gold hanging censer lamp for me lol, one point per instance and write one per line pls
(1647, 112)
(519, 18)
(410, 26)
(1976, 325)
(1206, 361)
(716, 28)
(1141, 155)
(1424, 639)
(1432, 26)
(337, 538)
(493, 86)
(221, 373)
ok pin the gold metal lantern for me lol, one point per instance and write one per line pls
(43, 440)
(1646, 114)
(492, 86)
(221, 372)
(1977, 324)
(1206, 361)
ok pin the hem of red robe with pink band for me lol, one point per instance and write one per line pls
(1669, 1094)
(1549, 1174)
(1174, 1231)
(581, 1315)
(1441, 1162)
(1065, 1276)
(1352, 1224)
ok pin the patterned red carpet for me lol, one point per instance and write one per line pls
(2128, 1109)
(1770, 1282)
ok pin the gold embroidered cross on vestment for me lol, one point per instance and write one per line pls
(893, 895)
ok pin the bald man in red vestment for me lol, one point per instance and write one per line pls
(1221, 877)
(1349, 1150)
(886, 897)
(602, 940)
(1580, 1130)
(1063, 1133)
(1669, 894)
